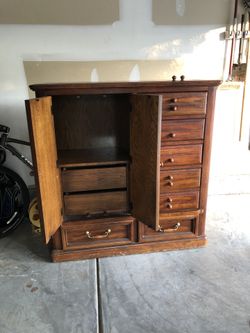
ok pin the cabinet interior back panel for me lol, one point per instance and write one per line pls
(91, 121)
(59, 12)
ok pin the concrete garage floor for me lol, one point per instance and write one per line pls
(195, 291)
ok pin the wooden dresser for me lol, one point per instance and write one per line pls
(121, 168)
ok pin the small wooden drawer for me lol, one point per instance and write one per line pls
(179, 226)
(176, 180)
(181, 155)
(98, 233)
(76, 180)
(179, 201)
(173, 130)
(178, 104)
(94, 203)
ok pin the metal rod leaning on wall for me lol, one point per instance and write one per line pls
(233, 37)
(241, 40)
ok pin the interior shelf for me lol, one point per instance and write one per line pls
(91, 157)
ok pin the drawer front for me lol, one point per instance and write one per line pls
(176, 180)
(181, 155)
(93, 203)
(179, 201)
(177, 227)
(173, 130)
(98, 233)
(177, 104)
(94, 179)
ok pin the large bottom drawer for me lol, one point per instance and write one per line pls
(175, 226)
(94, 203)
(98, 233)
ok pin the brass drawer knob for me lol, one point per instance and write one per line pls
(175, 100)
(172, 135)
(182, 77)
(105, 235)
(170, 178)
(175, 228)
(169, 206)
(171, 160)
(174, 78)
(169, 200)
(170, 184)
(162, 164)
(173, 108)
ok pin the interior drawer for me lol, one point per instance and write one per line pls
(74, 180)
(176, 180)
(93, 203)
(176, 130)
(98, 233)
(177, 104)
(179, 201)
(181, 155)
(175, 227)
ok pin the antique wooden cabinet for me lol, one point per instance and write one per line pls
(121, 168)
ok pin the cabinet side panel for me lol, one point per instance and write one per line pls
(206, 157)
(145, 153)
(42, 135)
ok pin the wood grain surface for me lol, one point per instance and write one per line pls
(122, 231)
(77, 180)
(178, 130)
(145, 153)
(183, 179)
(43, 142)
(173, 156)
(98, 202)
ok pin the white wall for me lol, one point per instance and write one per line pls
(198, 52)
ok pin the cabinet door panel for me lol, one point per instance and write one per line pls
(145, 152)
(44, 153)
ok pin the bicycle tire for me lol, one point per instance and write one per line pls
(2, 156)
(13, 191)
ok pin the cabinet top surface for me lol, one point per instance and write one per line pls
(122, 87)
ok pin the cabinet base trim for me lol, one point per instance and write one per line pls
(60, 255)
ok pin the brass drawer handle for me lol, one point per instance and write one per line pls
(105, 235)
(176, 227)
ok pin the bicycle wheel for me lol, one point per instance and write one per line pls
(14, 200)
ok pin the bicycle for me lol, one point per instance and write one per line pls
(14, 194)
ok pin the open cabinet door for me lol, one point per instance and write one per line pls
(44, 153)
(145, 141)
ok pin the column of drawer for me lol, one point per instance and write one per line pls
(181, 159)
(183, 123)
